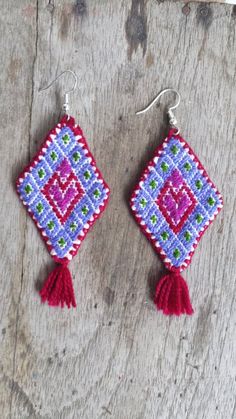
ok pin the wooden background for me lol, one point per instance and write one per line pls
(115, 356)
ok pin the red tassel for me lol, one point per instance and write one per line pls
(58, 288)
(172, 295)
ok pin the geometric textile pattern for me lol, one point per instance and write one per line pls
(63, 190)
(175, 201)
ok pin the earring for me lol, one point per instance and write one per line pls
(64, 193)
(174, 203)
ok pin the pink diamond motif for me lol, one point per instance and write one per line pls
(63, 191)
(176, 201)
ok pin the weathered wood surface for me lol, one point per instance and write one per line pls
(115, 356)
(211, 1)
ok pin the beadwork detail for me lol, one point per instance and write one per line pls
(175, 201)
(63, 190)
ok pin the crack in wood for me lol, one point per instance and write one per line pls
(136, 27)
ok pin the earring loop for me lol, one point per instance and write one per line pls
(65, 194)
(171, 116)
(66, 94)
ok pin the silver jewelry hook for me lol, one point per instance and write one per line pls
(66, 94)
(171, 116)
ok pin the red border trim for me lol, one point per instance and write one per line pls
(144, 228)
(68, 121)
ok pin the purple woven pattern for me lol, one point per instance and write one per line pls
(63, 189)
(175, 201)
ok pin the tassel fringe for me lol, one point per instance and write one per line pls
(172, 295)
(58, 288)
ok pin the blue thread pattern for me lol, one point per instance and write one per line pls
(63, 191)
(157, 209)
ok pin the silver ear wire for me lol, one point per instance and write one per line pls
(65, 106)
(172, 119)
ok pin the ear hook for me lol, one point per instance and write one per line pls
(66, 94)
(171, 116)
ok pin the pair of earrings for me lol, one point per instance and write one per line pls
(64, 192)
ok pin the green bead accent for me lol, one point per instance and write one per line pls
(198, 184)
(211, 201)
(199, 218)
(164, 166)
(96, 193)
(53, 156)
(41, 173)
(76, 156)
(187, 166)
(28, 189)
(153, 219)
(66, 139)
(174, 150)
(143, 202)
(39, 207)
(176, 253)
(61, 242)
(51, 225)
(87, 175)
(153, 184)
(187, 236)
(164, 235)
(85, 210)
(73, 226)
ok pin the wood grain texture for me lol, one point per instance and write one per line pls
(115, 356)
(211, 1)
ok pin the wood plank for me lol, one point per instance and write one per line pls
(211, 1)
(115, 356)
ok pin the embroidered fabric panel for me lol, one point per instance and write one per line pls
(175, 201)
(63, 189)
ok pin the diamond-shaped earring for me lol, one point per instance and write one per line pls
(174, 203)
(64, 193)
